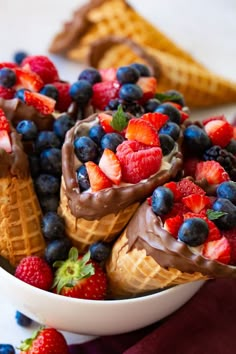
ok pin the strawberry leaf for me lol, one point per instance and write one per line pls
(119, 119)
(214, 215)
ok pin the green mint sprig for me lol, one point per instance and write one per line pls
(119, 119)
(214, 215)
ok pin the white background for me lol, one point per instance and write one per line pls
(206, 28)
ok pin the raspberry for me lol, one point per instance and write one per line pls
(6, 93)
(35, 271)
(43, 66)
(64, 99)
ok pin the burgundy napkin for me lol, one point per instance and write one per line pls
(205, 324)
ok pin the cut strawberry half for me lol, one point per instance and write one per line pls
(173, 224)
(219, 131)
(103, 92)
(28, 80)
(186, 187)
(157, 120)
(211, 171)
(209, 119)
(173, 187)
(5, 142)
(218, 250)
(110, 165)
(8, 65)
(142, 131)
(108, 74)
(105, 121)
(42, 103)
(4, 123)
(196, 202)
(148, 86)
(98, 180)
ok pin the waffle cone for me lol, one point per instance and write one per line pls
(133, 273)
(101, 18)
(20, 217)
(84, 232)
(199, 86)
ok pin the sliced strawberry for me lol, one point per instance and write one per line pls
(103, 92)
(98, 180)
(211, 171)
(142, 131)
(138, 161)
(110, 165)
(231, 237)
(42, 103)
(214, 232)
(173, 187)
(4, 123)
(105, 121)
(108, 74)
(219, 131)
(173, 224)
(196, 202)
(209, 119)
(218, 250)
(186, 187)
(8, 65)
(148, 86)
(189, 166)
(149, 201)
(28, 80)
(157, 120)
(7, 93)
(5, 142)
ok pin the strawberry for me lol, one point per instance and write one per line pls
(8, 65)
(64, 99)
(231, 237)
(4, 123)
(45, 341)
(5, 142)
(211, 171)
(7, 93)
(219, 131)
(35, 271)
(178, 208)
(156, 119)
(103, 92)
(186, 187)
(196, 202)
(42, 66)
(148, 86)
(138, 161)
(80, 277)
(110, 165)
(98, 180)
(173, 224)
(209, 119)
(105, 120)
(173, 187)
(42, 103)
(218, 250)
(108, 74)
(142, 131)
(28, 80)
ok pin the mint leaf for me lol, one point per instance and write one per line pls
(163, 97)
(214, 215)
(119, 120)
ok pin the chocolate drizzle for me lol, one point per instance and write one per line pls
(145, 231)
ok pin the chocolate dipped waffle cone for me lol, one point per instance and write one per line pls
(200, 87)
(102, 215)
(101, 18)
(20, 213)
(146, 258)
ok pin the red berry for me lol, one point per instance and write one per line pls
(5, 142)
(4, 123)
(156, 119)
(42, 103)
(218, 250)
(110, 165)
(97, 178)
(186, 187)
(42, 66)
(103, 92)
(148, 86)
(35, 271)
(28, 79)
(142, 131)
(211, 171)
(189, 166)
(173, 224)
(64, 99)
(7, 93)
(173, 187)
(231, 237)
(196, 202)
(209, 119)
(105, 120)
(219, 131)
(8, 65)
(108, 74)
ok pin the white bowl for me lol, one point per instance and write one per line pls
(92, 317)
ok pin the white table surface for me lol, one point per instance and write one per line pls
(207, 29)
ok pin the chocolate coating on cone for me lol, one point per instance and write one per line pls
(145, 231)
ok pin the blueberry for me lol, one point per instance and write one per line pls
(82, 178)
(113, 104)
(51, 91)
(162, 200)
(127, 74)
(19, 57)
(22, 320)
(228, 220)
(172, 129)
(167, 143)
(47, 184)
(85, 149)
(57, 250)
(49, 202)
(171, 111)
(46, 139)
(96, 133)
(81, 92)
(194, 231)
(50, 161)
(196, 139)
(100, 251)
(111, 141)
(34, 165)
(175, 96)
(91, 75)
(142, 69)
(130, 92)
(7, 77)
(227, 190)
(62, 124)
(7, 349)
(151, 105)
(53, 226)
(28, 129)
(231, 147)
(20, 94)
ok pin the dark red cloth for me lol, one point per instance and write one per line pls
(206, 324)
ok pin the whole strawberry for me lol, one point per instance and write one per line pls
(35, 271)
(45, 341)
(80, 277)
